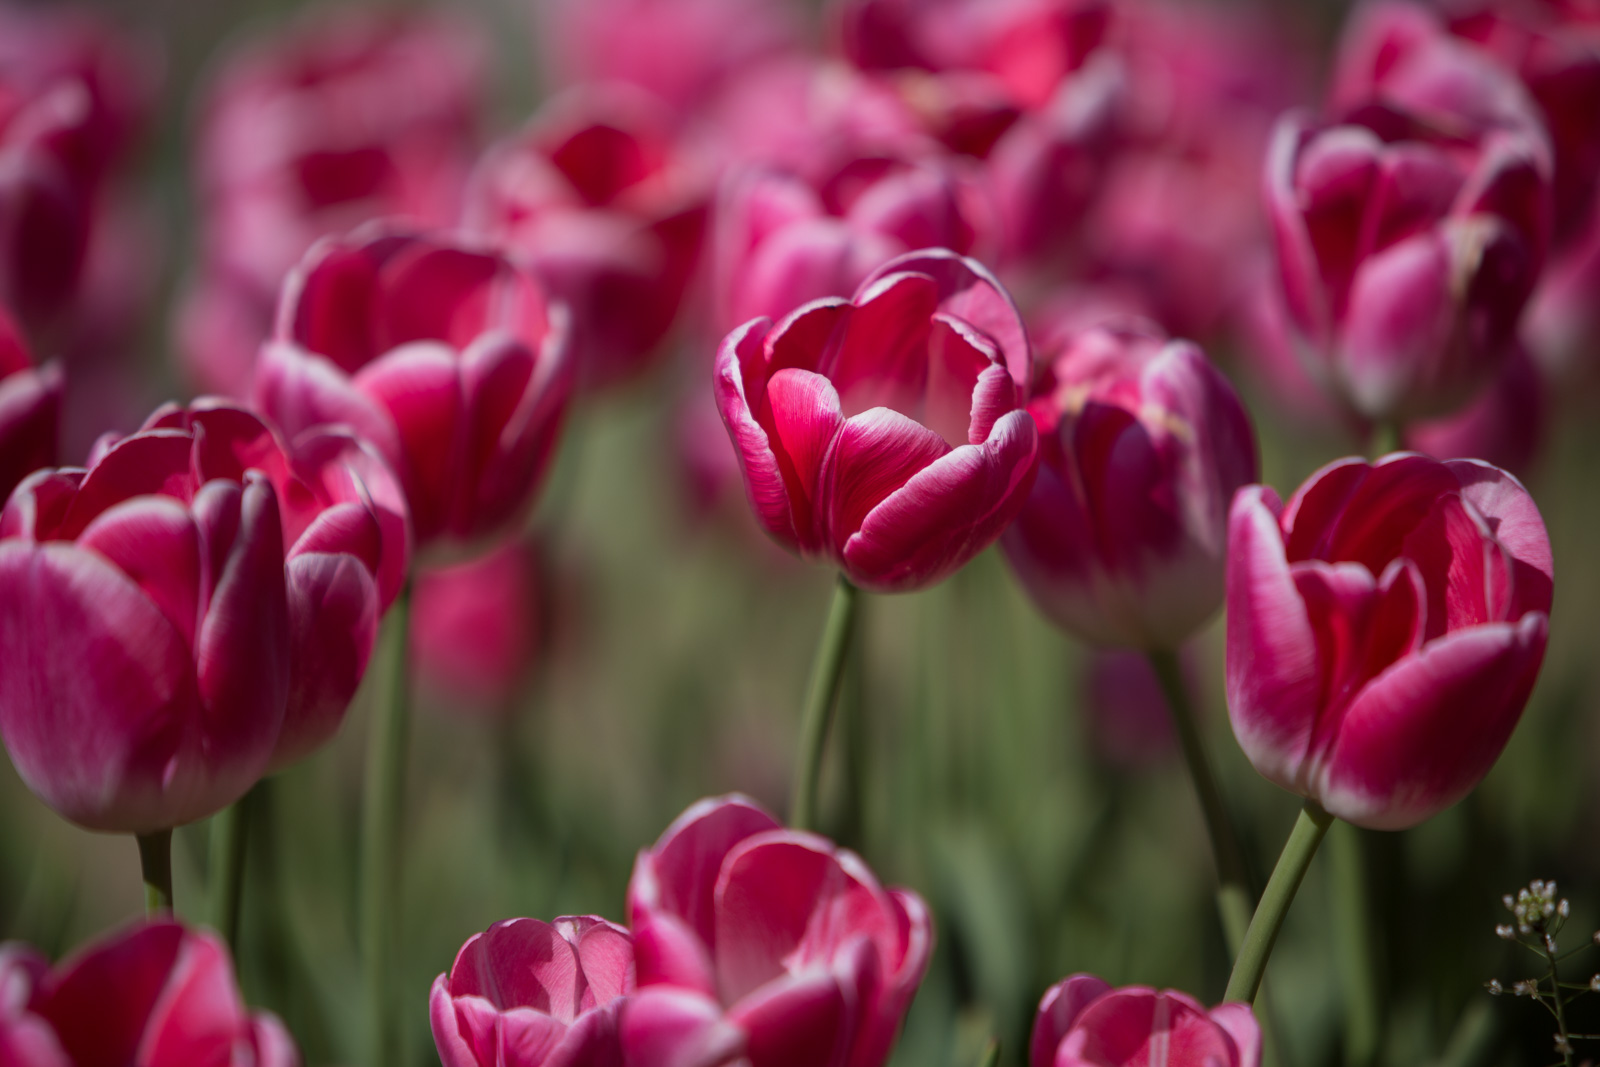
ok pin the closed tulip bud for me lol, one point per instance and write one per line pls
(1123, 538)
(529, 994)
(771, 944)
(1083, 1022)
(30, 409)
(1410, 231)
(447, 358)
(155, 993)
(594, 200)
(1385, 628)
(884, 434)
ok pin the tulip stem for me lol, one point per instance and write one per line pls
(229, 829)
(155, 859)
(1309, 830)
(387, 743)
(1385, 439)
(1352, 929)
(821, 695)
(991, 1054)
(1233, 878)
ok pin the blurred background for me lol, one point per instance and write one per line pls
(644, 646)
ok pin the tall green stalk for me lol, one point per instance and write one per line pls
(230, 831)
(384, 803)
(1352, 933)
(155, 862)
(1309, 830)
(821, 696)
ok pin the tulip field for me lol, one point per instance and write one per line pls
(799, 533)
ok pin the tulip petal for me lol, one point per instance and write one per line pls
(145, 464)
(301, 390)
(1059, 1008)
(1339, 600)
(527, 1038)
(1421, 735)
(1514, 521)
(117, 984)
(30, 417)
(739, 398)
(153, 541)
(520, 963)
(666, 1027)
(667, 952)
(420, 387)
(1238, 1021)
(796, 1021)
(605, 953)
(199, 1014)
(882, 359)
(453, 1042)
(332, 603)
(1397, 329)
(876, 452)
(804, 417)
(594, 1040)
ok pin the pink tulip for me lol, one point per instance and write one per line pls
(344, 117)
(594, 200)
(477, 627)
(1503, 425)
(1384, 631)
(155, 994)
(30, 409)
(882, 434)
(529, 994)
(767, 947)
(1122, 539)
(1563, 320)
(1083, 1022)
(681, 51)
(448, 358)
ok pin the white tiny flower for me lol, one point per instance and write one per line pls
(1564, 909)
(1594, 984)
(1504, 932)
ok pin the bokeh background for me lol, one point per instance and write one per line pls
(1029, 788)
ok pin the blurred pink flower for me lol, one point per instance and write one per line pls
(30, 409)
(530, 994)
(883, 434)
(155, 993)
(448, 358)
(1503, 425)
(477, 628)
(1385, 628)
(348, 115)
(1083, 1022)
(596, 200)
(761, 945)
(1128, 723)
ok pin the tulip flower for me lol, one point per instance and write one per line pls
(1503, 425)
(30, 409)
(594, 200)
(761, 945)
(447, 358)
(1385, 628)
(1122, 539)
(529, 994)
(1411, 229)
(883, 434)
(1083, 1022)
(156, 994)
(343, 117)
(477, 627)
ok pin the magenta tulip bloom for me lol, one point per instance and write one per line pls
(1384, 631)
(346, 551)
(156, 994)
(530, 994)
(1122, 540)
(594, 200)
(1083, 1022)
(449, 359)
(766, 946)
(883, 434)
(30, 409)
(1411, 231)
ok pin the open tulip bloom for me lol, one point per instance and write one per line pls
(885, 433)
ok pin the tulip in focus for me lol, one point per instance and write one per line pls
(765, 946)
(1122, 539)
(884, 434)
(1385, 628)
(477, 627)
(156, 994)
(594, 200)
(1083, 1022)
(447, 358)
(1411, 229)
(30, 409)
(530, 994)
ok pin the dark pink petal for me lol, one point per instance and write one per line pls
(605, 954)
(1514, 521)
(30, 416)
(101, 999)
(494, 475)
(1399, 623)
(1402, 310)
(876, 453)
(478, 1024)
(808, 337)
(595, 1040)
(420, 387)
(272, 1043)
(156, 462)
(300, 390)
(1311, 517)
(1274, 680)
(199, 1015)
(669, 952)
(1298, 270)
(333, 623)
(968, 388)
(945, 513)
(804, 417)
(1421, 735)
(520, 963)
(455, 1046)
(328, 307)
(98, 691)
(882, 358)
(526, 1037)
(1127, 1027)
(1396, 494)
(679, 874)
(1059, 1008)
(802, 1020)
(1339, 601)
(153, 541)
(665, 1027)
(429, 292)
(804, 261)
(1238, 1021)
(763, 476)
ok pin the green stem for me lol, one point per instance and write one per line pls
(155, 860)
(1560, 1009)
(1385, 439)
(384, 801)
(1474, 1038)
(821, 695)
(991, 1054)
(1233, 878)
(230, 829)
(1352, 932)
(1307, 834)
